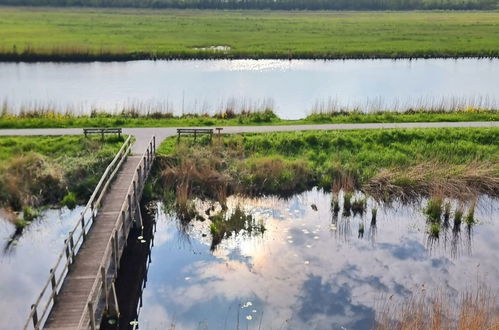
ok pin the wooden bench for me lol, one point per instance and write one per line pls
(195, 131)
(102, 131)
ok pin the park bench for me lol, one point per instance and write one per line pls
(102, 131)
(197, 131)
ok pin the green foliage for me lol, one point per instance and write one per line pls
(286, 162)
(69, 200)
(270, 4)
(347, 203)
(433, 209)
(434, 229)
(458, 217)
(51, 119)
(374, 214)
(39, 170)
(469, 219)
(71, 34)
(225, 225)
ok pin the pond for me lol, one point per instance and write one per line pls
(292, 88)
(309, 268)
(25, 261)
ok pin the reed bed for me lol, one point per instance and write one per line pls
(474, 309)
(229, 113)
(385, 164)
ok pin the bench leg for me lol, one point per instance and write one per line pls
(178, 138)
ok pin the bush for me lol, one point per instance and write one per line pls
(69, 200)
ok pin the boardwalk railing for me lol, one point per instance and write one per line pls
(103, 293)
(72, 244)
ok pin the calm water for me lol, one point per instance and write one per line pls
(25, 261)
(309, 269)
(293, 88)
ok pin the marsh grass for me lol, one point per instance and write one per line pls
(474, 309)
(226, 224)
(230, 113)
(39, 171)
(385, 164)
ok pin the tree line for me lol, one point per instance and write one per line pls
(271, 4)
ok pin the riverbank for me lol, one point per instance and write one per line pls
(50, 119)
(71, 34)
(459, 163)
(38, 171)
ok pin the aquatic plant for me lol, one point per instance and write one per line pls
(335, 205)
(374, 213)
(475, 309)
(361, 230)
(469, 219)
(69, 200)
(433, 209)
(359, 206)
(347, 203)
(224, 225)
(458, 217)
(447, 209)
(434, 230)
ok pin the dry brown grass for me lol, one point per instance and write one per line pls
(476, 310)
(433, 179)
(30, 180)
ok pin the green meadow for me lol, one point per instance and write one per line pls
(123, 34)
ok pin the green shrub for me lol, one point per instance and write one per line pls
(69, 200)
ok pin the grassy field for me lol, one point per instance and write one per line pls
(409, 163)
(119, 34)
(42, 171)
(52, 120)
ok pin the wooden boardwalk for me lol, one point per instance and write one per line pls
(84, 290)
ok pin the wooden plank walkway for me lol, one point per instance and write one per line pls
(72, 298)
(80, 288)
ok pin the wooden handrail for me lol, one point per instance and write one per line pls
(144, 166)
(72, 245)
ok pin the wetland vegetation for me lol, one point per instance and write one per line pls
(397, 163)
(47, 118)
(38, 171)
(72, 34)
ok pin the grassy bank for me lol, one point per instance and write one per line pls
(48, 119)
(69, 34)
(40, 171)
(405, 163)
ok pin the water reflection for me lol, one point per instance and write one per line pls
(26, 259)
(310, 268)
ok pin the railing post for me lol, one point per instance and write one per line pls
(83, 226)
(72, 246)
(91, 315)
(67, 250)
(53, 283)
(124, 226)
(104, 287)
(129, 206)
(154, 144)
(115, 296)
(116, 257)
(35, 316)
(139, 176)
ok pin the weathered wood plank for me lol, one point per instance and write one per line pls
(76, 289)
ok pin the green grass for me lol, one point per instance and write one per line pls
(121, 34)
(40, 171)
(52, 120)
(396, 162)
